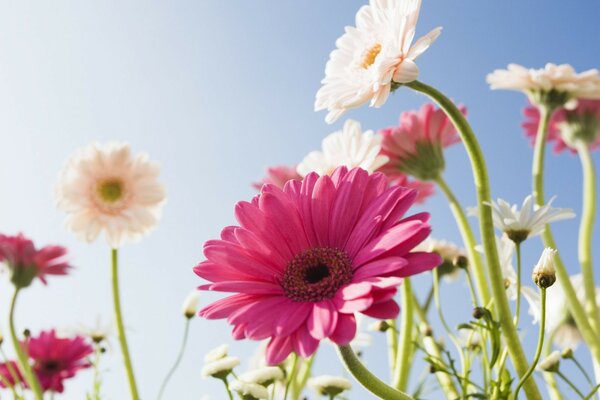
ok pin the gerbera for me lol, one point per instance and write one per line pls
(567, 126)
(554, 85)
(105, 188)
(350, 147)
(25, 262)
(278, 176)
(416, 145)
(372, 56)
(56, 359)
(305, 259)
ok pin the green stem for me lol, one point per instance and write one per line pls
(468, 239)
(586, 229)
(571, 385)
(11, 370)
(486, 227)
(518, 306)
(551, 383)
(580, 367)
(405, 350)
(592, 393)
(575, 307)
(366, 378)
(177, 360)
(28, 373)
(227, 388)
(297, 390)
(121, 327)
(392, 341)
(540, 345)
(292, 375)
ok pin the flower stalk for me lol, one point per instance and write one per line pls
(487, 232)
(177, 360)
(405, 348)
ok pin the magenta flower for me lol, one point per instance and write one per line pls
(415, 146)
(10, 374)
(304, 259)
(56, 359)
(26, 262)
(583, 122)
(278, 176)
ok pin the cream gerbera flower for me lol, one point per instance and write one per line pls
(560, 82)
(105, 188)
(372, 56)
(349, 147)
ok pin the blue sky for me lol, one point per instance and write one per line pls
(216, 91)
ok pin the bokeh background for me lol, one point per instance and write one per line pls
(216, 91)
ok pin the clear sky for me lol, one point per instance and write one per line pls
(216, 91)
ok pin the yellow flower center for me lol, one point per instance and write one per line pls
(110, 190)
(371, 55)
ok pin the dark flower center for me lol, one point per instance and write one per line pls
(317, 274)
(50, 366)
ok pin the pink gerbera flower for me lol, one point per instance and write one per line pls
(415, 146)
(567, 126)
(304, 259)
(278, 176)
(55, 359)
(26, 262)
(11, 375)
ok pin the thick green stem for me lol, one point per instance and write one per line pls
(540, 345)
(575, 307)
(586, 228)
(468, 239)
(28, 373)
(177, 360)
(486, 227)
(121, 327)
(518, 306)
(229, 395)
(366, 378)
(405, 349)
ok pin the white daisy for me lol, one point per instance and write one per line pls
(349, 147)
(263, 376)
(217, 353)
(370, 57)
(105, 188)
(220, 368)
(559, 78)
(530, 221)
(327, 385)
(250, 391)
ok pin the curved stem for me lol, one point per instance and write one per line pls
(177, 360)
(586, 228)
(405, 350)
(540, 345)
(121, 327)
(28, 373)
(468, 239)
(486, 227)
(571, 385)
(551, 383)
(575, 307)
(366, 378)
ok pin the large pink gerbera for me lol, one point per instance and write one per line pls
(582, 122)
(55, 359)
(415, 147)
(304, 259)
(278, 176)
(26, 262)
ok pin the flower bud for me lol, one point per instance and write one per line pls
(550, 363)
(190, 305)
(567, 353)
(263, 376)
(461, 262)
(220, 368)
(544, 273)
(379, 326)
(327, 385)
(249, 391)
(217, 353)
(478, 312)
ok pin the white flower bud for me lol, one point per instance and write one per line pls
(190, 304)
(220, 368)
(544, 273)
(263, 376)
(327, 385)
(249, 391)
(217, 353)
(550, 363)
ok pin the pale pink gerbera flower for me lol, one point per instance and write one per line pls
(554, 84)
(56, 359)
(305, 259)
(105, 188)
(416, 145)
(26, 262)
(372, 56)
(278, 176)
(567, 126)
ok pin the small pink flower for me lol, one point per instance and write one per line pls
(10, 374)
(564, 124)
(304, 259)
(424, 189)
(278, 176)
(56, 359)
(415, 146)
(26, 262)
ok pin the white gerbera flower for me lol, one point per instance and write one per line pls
(263, 376)
(105, 188)
(220, 368)
(249, 391)
(327, 385)
(530, 221)
(559, 78)
(558, 318)
(190, 304)
(373, 55)
(349, 147)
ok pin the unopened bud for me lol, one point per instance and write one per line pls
(550, 363)
(567, 353)
(26, 332)
(478, 312)
(544, 273)
(461, 262)
(426, 330)
(190, 305)
(379, 326)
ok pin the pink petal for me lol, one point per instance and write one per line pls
(345, 330)
(322, 320)
(278, 349)
(379, 267)
(305, 345)
(385, 310)
(419, 262)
